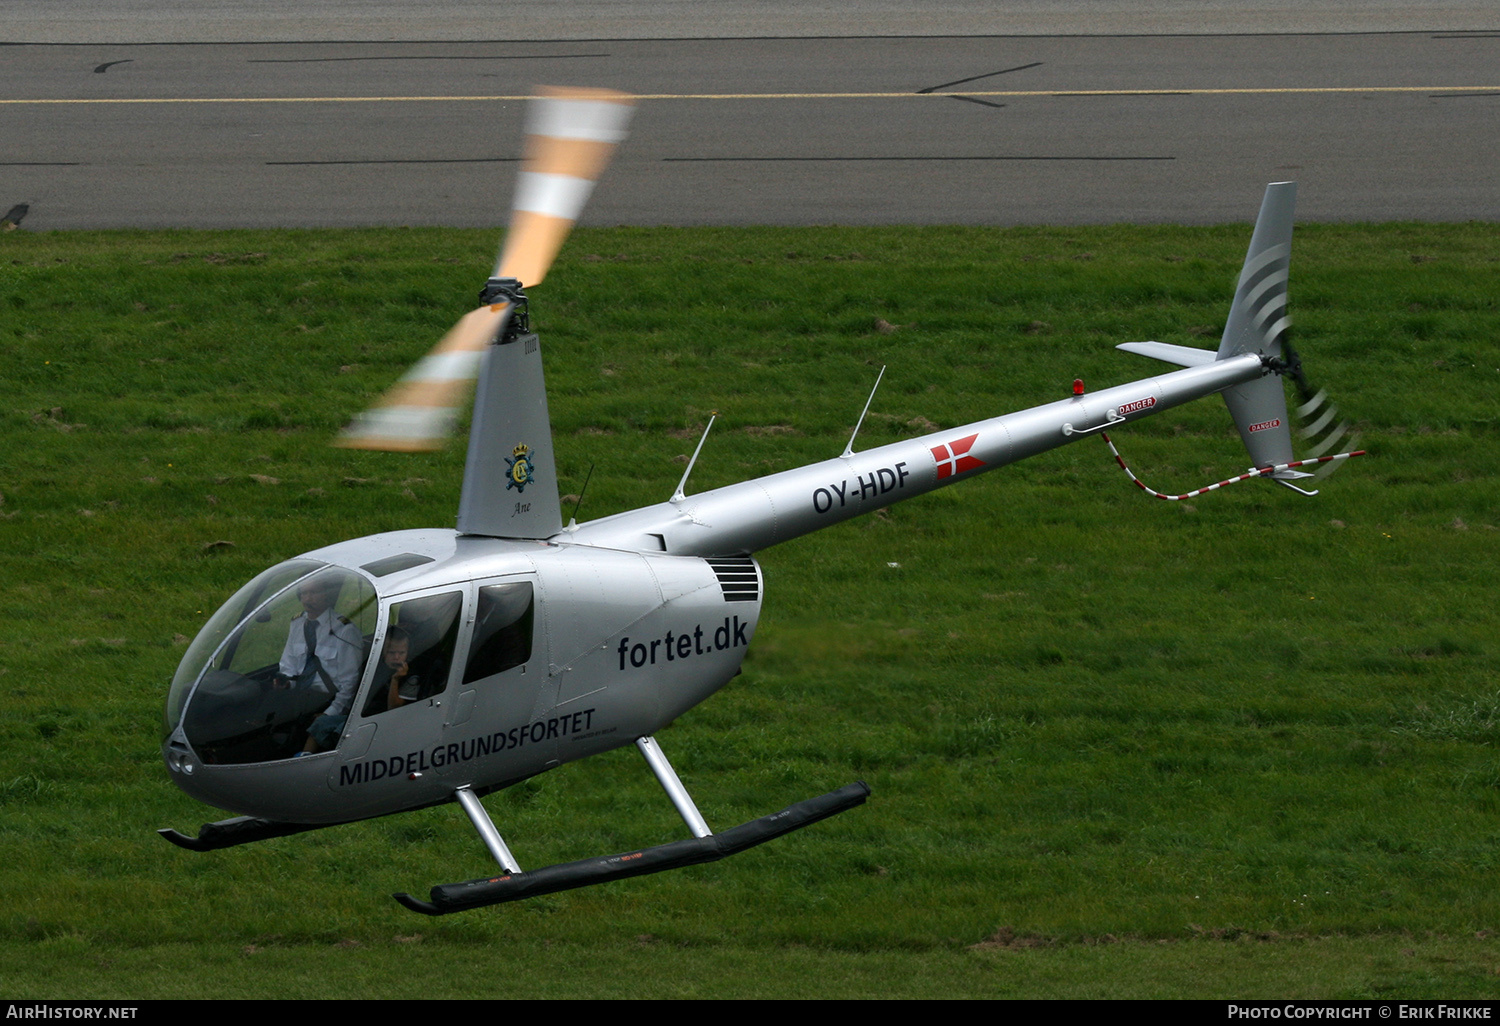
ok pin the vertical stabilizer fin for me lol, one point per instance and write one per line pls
(1257, 318)
(1257, 322)
(510, 479)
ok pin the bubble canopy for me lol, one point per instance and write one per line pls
(286, 647)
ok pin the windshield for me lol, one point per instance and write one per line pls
(279, 662)
(221, 623)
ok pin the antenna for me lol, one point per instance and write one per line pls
(573, 520)
(849, 449)
(679, 495)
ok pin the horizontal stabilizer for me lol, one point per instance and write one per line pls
(1182, 356)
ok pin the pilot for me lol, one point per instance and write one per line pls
(323, 652)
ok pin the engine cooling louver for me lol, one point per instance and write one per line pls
(738, 577)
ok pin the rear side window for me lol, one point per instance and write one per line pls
(502, 630)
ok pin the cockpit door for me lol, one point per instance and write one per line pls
(408, 686)
(503, 678)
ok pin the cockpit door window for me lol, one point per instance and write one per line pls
(416, 654)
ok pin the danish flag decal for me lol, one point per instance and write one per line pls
(953, 458)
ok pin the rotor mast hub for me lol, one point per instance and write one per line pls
(509, 291)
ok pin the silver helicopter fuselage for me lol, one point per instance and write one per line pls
(635, 618)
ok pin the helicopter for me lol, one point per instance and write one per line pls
(431, 666)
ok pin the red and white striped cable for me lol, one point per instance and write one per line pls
(1259, 472)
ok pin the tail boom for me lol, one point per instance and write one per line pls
(754, 515)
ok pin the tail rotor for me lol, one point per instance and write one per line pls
(1320, 427)
(1258, 324)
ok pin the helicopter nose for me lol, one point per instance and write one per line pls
(288, 790)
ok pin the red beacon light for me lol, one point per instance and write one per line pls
(1078, 386)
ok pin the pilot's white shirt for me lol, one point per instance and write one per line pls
(339, 646)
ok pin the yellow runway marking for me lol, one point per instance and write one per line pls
(1012, 93)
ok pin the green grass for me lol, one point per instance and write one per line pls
(1245, 746)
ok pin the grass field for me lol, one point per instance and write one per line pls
(1244, 746)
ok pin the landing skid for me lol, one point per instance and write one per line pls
(705, 846)
(513, 886)
(227, 833)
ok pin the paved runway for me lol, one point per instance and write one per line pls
(238, 21)
(850, 130)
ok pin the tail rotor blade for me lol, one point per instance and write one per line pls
(418, 413)
(1310, 409)
(1326, 432)
(1321, 429)
(571, 134)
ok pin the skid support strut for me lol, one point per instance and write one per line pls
(481, 820)
(667, 776)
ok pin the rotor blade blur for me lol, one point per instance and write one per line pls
(570, 136)
(418, 413)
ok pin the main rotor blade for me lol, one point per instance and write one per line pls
(418, 413)
(571, 134)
